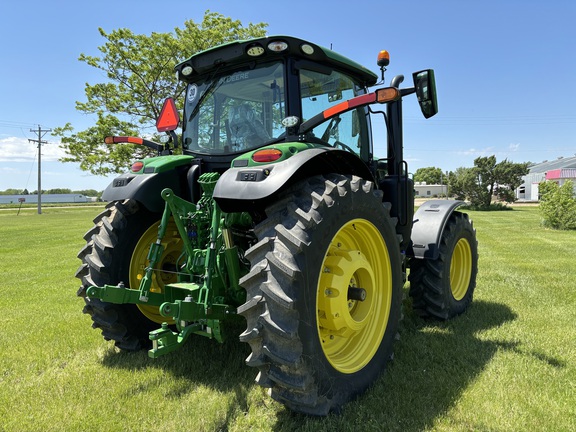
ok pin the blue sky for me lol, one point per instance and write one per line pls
(505, 71)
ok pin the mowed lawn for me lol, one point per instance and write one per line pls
(508, 364)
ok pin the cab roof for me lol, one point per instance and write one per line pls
(228, 56)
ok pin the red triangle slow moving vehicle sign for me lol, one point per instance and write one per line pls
(169, 117)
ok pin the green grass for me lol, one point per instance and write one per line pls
(508, 364)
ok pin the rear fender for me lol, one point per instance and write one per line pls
(250, 188)
(146, 188)
(429, 222)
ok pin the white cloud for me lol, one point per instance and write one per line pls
(477, 152)
(489, 151)
(15, 149)
(8, 171)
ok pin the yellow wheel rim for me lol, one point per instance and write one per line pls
(351, 331)
(172, 244)
(460, 269)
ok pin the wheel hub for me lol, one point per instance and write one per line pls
(460, 269)
(172, 245)
(354, 296)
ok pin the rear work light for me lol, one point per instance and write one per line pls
(255, 50)
(267, 155)
(277, 46)
(187, 70)
(307, 49)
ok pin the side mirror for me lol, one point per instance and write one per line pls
(425, 85)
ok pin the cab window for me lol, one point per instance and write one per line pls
(321, 91)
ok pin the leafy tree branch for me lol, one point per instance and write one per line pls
(140, 76)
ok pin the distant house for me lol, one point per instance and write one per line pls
(423, 190)
(558, 170)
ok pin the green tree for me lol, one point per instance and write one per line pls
(487, 179)
(461, 182)
(508, 178)
(558, 205)
(430, 175)
(87, 192)
(140, 76)
(59, 191)
(12, 192)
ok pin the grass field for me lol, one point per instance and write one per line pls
(508, 364)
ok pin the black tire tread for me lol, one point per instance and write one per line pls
(118, 323)
(429, 279)
(272, 288)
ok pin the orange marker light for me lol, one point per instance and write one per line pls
(267, 155)
(123, 139)
(387, 94)
(383, 58)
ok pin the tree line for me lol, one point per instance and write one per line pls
(481, 184)
(85, 192)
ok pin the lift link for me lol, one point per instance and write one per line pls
(119, 294)
(197, 313)
(197, 301)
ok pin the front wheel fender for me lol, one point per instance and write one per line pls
(427, 228)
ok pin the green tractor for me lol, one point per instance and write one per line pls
(270, 207)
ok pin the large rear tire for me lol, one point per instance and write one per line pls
(323, 294)
(116, 251)
(443, 288)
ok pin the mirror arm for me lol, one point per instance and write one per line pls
(407, 91)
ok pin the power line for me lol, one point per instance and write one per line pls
(41, 132)
(519, 120)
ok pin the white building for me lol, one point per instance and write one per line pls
(46, 198)
(423, 190)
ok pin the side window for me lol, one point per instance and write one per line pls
(320, 92)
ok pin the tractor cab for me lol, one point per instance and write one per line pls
(249, 94)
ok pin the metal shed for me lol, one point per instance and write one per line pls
(560, 170)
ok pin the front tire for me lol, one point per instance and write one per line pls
(443, 288)
(323, 294)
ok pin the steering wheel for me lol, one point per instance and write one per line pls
(344, 146)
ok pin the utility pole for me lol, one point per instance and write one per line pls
(41, 132)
